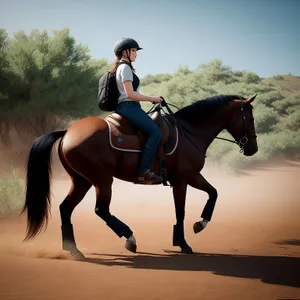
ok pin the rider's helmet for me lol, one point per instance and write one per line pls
(125, 43)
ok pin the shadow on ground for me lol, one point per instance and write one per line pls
(281, 270)
(292, 242)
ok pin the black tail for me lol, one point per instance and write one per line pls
(37, 203)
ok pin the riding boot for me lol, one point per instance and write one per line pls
(146, 176)
(149, 177)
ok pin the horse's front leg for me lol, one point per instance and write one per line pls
(200, 183)
(179, 194)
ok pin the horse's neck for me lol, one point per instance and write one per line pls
(203, 134)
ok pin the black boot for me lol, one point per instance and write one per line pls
(149, 177)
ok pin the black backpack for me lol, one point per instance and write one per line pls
(108, 92)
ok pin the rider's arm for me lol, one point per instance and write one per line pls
(137, 96)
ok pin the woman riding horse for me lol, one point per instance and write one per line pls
(86, 154)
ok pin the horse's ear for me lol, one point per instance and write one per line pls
(249, 100)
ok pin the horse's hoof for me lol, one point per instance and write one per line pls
(77, 255)
(130, 246)
(187, 250)
(198, 227)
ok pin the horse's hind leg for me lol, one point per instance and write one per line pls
(79, 188)
(103, 194)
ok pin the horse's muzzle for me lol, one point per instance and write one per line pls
(250, 150)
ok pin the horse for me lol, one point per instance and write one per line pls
(90, 160)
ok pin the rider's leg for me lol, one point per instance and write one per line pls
(132, 111)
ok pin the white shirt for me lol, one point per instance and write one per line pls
(123, 74)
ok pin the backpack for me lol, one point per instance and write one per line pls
(108, 92)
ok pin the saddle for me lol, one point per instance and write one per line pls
(123, 136)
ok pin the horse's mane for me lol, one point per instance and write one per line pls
(201, 109)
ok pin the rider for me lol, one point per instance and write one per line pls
(129, 107)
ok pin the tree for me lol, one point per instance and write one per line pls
(54, 79)
(216, 71)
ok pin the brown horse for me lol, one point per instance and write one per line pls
(88, 157)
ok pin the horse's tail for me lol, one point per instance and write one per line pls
(37, 203)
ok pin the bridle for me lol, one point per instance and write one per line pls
(245, 138)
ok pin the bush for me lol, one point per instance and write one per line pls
(292, 109)
(265, 118)
(250, 77)
(285, 143)
(285, 104)
(159, 78)
(269, 98)
(216, 71)
(242, 89)
(11, 194)
(278, 77)
(291, 122)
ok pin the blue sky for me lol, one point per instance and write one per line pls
(261, 36)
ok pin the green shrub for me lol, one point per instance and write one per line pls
(285, 143)
(250, 77)
(269, 98)
(278, 77)
(216, 71)
(265, 118)
(159, 78)
(292, 109)
(287, 103)
(11, 194)
(291, 122)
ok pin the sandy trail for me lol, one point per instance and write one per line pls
(250, 249)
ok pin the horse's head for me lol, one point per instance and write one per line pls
(241, 126)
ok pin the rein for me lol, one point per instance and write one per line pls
(241, 143)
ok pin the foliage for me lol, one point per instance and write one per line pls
(11, 194)
(270, 97)
(47, 77)
(284, 105)
(216, 71)
(52, 72)
(290, 122)
(265, 118)
(250, 77)
(155, 79)
(278, 77)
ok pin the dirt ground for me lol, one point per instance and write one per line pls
(250, 249)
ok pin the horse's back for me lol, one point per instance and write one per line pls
(86, 135)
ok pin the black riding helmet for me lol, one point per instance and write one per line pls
(124, 44)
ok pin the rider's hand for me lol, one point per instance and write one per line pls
(156, 100)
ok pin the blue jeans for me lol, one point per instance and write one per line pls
(132, 111)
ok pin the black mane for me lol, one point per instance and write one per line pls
(201, 109)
